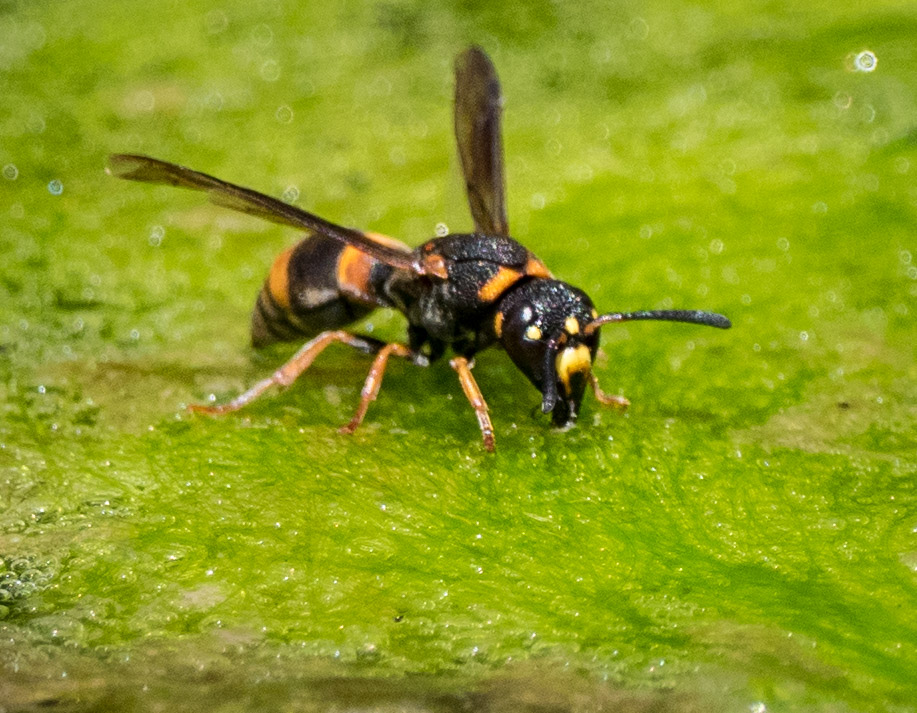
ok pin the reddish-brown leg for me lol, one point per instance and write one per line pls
(473, 394)
(618, 402)
(290, 371)
(374, 382)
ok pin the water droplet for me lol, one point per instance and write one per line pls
(865, 61)
(216, 22)
(157, 233)
(284, 114)
(398, 156)
(442, 230)
(290, 193)
(10, 172)
(270, 71)
(263, 35)
(842, 100)
(55, 187)
(639, 29)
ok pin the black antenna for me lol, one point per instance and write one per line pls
(693, 316)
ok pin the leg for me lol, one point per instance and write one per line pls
(290, 371)
(618, 402)
(473, 394)
(374, 382)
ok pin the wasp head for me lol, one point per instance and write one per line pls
(542, 326)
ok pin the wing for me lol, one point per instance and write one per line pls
(245, 200)
(478, 103)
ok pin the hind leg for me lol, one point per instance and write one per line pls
(289, 372)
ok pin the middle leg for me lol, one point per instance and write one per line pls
(473, 393)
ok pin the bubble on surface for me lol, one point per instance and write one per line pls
(284, 114)
(55, 187)
(157, 233)
(290, 193)
(10, 172)
(843, 100)
(270, 70)
(216, 22)
(865, 61)
(441, 230)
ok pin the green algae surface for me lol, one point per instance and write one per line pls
(743, 538)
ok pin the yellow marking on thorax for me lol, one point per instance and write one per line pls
(498, 284)
(536, 268)
(533, 332)
(278, 279)
(571, 325)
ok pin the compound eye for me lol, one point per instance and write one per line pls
(533, 332)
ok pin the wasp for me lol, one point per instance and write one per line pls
(463, 292)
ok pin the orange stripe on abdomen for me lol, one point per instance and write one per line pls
(278, 280)
(354, 272)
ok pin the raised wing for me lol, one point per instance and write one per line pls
(151, 170)
(478, 103)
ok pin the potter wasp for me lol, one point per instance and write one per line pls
(464, 292)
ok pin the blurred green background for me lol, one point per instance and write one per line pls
(743, 538)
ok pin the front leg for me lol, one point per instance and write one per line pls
(618, 402)
(463, 367)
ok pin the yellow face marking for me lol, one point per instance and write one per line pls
(278, 279)
(570, 361)
(595, 313)
(497, 284)
(533, 332)
(571, 325)
(498, 324)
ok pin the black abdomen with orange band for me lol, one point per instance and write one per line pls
(316, 285)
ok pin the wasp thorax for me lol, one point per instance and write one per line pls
(541, 325)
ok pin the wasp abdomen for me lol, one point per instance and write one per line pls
(316, 285)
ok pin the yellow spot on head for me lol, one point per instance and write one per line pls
(571, 325)
(570, 361)
(533, 332)
(595, 313)
(498, 324)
